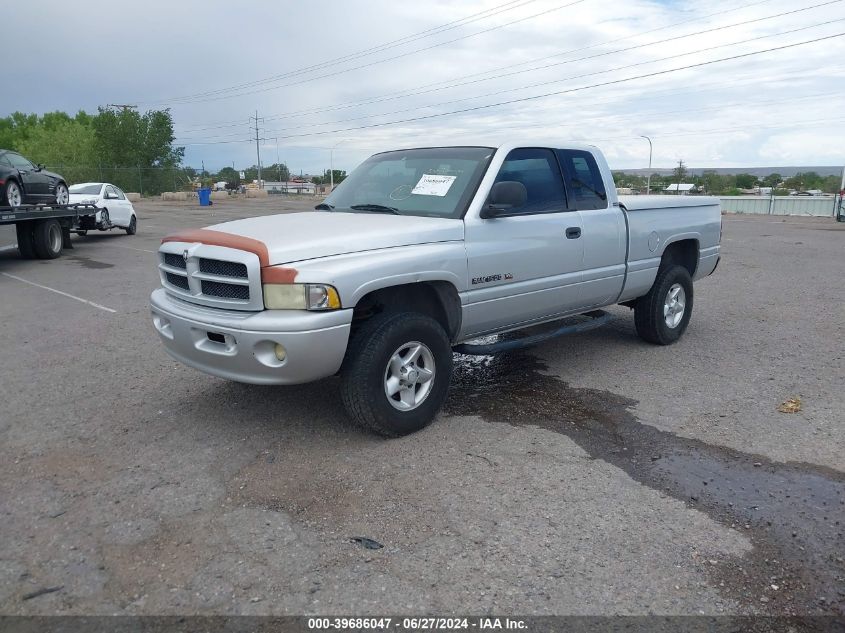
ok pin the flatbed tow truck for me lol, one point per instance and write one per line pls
(44, 230)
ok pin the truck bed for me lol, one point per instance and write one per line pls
(657, 220)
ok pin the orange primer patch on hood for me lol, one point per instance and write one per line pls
(218, 238)
(278, 275)
(269, 274)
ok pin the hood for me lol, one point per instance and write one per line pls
(294, 237)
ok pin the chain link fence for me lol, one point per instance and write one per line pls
(148, 181)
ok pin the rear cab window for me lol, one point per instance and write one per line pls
(583, 179)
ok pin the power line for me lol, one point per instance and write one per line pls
(581, 76)
(570, 78)
(568, 90)
(189, 99)
(402, 94)
(557, 92)
(474, 17)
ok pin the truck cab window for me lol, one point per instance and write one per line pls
(538, 170)
(583, 180)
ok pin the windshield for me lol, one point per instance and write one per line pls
(438, 182)
(86, 189)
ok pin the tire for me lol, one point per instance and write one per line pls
(48, 239)
(12, 194)
(82, 233)
(105, 222)
(133, 226)
(62, 195)
(656, 317)
(26, 239)
(367, 370)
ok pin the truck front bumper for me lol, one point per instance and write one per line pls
(241, 346)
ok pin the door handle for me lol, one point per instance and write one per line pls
(573, 232)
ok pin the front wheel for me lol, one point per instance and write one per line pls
(62, 194)
(105, 221)
(12, 194)
(662, 316)
(397, 373)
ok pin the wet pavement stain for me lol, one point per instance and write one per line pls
(793, 513)
(87, 262)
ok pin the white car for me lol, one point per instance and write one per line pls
(116, 209)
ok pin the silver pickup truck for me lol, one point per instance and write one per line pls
(420, 251)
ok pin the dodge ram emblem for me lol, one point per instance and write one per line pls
(185, 255)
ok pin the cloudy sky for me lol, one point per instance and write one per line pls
(366, 76)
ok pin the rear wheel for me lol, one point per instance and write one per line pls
(396, 373)
(48, 239)
(12, 194)
(133, 226)
(26, 239)
(662, 316)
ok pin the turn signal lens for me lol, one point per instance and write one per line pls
(281, 352)
(322, 298)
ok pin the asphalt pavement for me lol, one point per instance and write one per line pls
(594, 474)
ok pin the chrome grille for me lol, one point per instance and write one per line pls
(210, 275)
(227, 291)
(222, 268)
(178, 280)
(177, 261)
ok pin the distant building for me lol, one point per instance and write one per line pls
(681, 188)
(291, 186)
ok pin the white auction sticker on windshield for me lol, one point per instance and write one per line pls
(433, 185)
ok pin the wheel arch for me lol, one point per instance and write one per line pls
(436, 298)
(682, 250)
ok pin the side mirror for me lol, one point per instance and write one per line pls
(504, 196)
(39, 166)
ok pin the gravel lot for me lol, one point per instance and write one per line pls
(591, 475)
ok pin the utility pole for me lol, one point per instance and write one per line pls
(258, 149)
(680, 176)
(648, 178)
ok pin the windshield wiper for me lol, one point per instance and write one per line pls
(324, 206)
(378, 208)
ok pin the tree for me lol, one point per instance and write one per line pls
(129, 139)
(339, 175)
(228, 175)
(772, 180)
(746, 181)
(65, 144)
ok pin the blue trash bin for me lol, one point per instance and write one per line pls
(204, 196)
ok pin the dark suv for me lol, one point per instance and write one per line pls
(21, 182)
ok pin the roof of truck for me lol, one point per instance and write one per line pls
(502, 144)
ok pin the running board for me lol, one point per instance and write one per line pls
(598, 318)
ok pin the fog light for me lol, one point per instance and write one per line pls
(281, 352)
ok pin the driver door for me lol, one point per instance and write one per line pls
(525, 266)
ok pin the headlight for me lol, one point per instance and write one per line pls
(300, 297)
